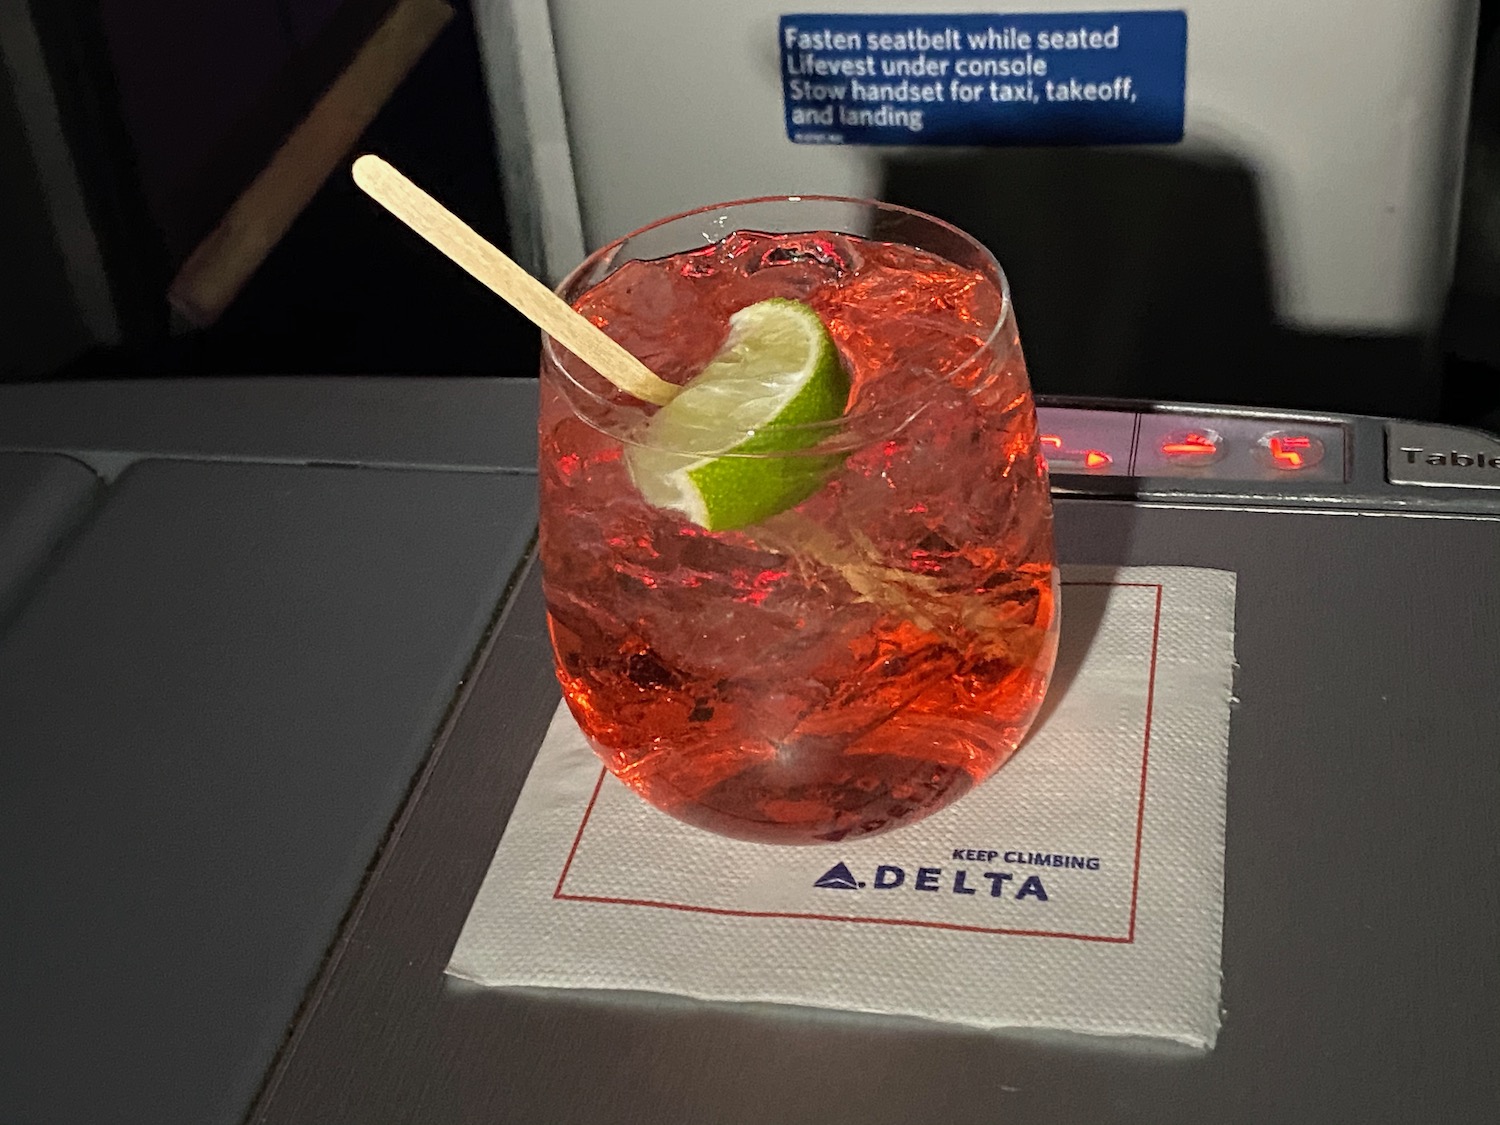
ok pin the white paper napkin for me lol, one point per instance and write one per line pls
(1080, 888)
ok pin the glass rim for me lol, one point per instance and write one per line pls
(554, 353)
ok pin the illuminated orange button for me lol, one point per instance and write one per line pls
(1289, 451)
(1192, 447)
(1059, 457)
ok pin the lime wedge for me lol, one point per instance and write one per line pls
(777, 375)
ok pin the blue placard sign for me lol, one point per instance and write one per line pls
(1003, 79)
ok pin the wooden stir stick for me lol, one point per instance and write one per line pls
(544, 308)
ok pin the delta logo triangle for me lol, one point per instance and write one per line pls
(838, 878)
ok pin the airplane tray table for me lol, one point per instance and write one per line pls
(1361, 907)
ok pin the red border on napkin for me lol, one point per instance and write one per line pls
(1127, 938)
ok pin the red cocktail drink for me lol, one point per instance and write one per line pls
(864, 657)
